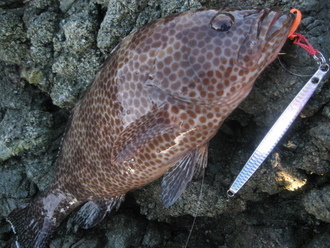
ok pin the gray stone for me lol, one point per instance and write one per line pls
(320, 241)
(256, 237)
(317, 202)
(13, 47)
(117, 23)
(125, 231)
(197, 200)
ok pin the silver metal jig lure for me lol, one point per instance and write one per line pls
(280, 127)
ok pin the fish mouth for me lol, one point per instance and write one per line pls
(268, 33)
(272, 21)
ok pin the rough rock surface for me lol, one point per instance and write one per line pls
(50, 52)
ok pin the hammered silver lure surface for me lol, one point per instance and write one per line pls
(278, 130)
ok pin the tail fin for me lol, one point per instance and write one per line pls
(35, 223)
(30, 232)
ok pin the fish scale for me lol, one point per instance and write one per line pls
(158, 99)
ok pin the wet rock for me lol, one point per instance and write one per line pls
(20, 117)
(197, 200)
(321, 134)
(13, 47)
(155, 235)
(41, 4)
(76, 56)
(257, 237)
(41, 31)
(14, 186)
(118, 22)
(320, 241)
(317, 202)
(125, 231)
(86, 240)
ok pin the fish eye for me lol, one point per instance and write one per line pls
(222, 22)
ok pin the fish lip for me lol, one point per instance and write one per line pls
(270, 26)
(272, 22)
(270, 19)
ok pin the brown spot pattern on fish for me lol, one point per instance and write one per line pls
(152, 108)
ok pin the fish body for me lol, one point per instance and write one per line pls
(159, 98)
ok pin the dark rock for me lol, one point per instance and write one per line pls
(317, 202)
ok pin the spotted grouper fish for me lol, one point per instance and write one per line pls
(151, 110)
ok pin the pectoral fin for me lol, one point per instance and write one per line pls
(136, 135)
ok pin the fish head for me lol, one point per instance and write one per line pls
(216, 55)
(256, 35)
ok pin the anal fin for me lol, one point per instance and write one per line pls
(93, 212)
(201, 161)
(177, 177)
